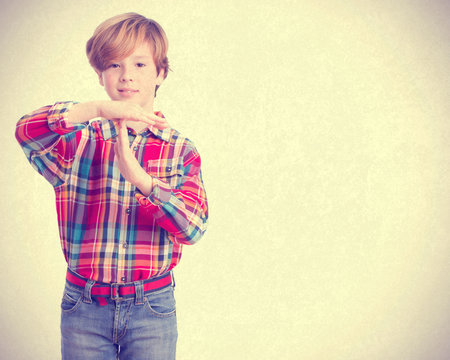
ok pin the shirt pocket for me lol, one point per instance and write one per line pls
(168, 170)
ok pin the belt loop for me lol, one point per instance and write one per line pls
(87, 291)
(173, 278)
(139, 292)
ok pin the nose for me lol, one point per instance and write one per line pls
(126, 75)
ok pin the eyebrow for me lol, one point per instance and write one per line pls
(136, 57)
(142, 57)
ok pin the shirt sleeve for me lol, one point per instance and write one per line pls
(48, 140)
(182, 211)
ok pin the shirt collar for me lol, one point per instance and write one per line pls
(110, 130)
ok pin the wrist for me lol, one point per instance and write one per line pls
(97, 108)
(83, 112)
(145, 184)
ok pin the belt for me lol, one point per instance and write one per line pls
(115, 291)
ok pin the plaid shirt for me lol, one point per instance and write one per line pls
(110, 232)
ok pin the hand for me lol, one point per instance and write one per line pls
(123, 111)
(129, 167)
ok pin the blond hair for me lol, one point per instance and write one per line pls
(117, 37)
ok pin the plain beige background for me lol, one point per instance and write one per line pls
(323, 128)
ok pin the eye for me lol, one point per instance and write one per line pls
(114, 66)
(140, 65)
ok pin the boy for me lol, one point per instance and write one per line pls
(129, 195)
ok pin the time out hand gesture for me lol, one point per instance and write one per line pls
(123, 111)
(114, 110)
(129, 167)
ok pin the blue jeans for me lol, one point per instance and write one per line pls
(140, 328)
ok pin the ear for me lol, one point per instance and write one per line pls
(100, 77)
(160, 77)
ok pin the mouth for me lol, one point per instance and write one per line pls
(128, 91)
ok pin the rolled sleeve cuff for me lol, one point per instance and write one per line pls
(160, 195)
(57, 119)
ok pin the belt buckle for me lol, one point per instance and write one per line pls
(115, 291)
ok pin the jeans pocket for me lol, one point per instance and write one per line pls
(71, 300)
(161, 304)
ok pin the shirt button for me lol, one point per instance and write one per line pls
(125, 245)
(135, 148)
(169, 168)
(128, 211)
(123, 278)
(130, 131)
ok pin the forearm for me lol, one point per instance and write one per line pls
(40, 130)
(180, 210)
(118, 110)
(182, 214)
(82, 112)
(41, 136)
(177, 203)
(144, 182)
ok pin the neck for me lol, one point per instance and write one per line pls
(137, 126)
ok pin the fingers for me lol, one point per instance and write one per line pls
(156, 118)
(144, 116)
(117, 151)
(121, 146)
(122, 110)
(162, 126)
(161, 123)
(125, 111)
(153, 119)
(122, 140)
(156, 121)
(147, 117)
(122, 129)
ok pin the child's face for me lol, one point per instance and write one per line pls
(133, 78)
